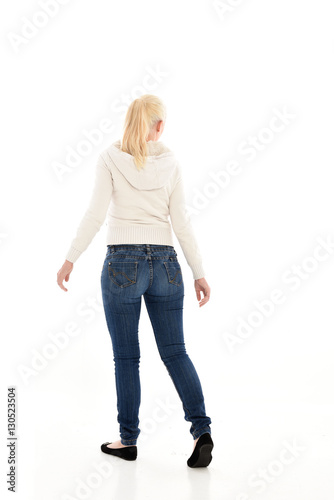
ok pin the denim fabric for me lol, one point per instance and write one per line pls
(130, 271)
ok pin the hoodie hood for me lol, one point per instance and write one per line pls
(157, 171)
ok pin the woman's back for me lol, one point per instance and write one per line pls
(141, 197)
(138, 204)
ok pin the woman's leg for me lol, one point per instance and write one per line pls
(164, 303)
(121, 295)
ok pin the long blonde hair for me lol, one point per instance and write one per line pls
(142, 114)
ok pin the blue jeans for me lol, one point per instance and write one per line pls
(130, 271)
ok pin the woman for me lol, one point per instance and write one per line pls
(138, 181)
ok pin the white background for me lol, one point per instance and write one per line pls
(222, 76)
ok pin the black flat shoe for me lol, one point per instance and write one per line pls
(128, 453)
(201, 456)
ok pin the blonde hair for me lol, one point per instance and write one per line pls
(142, 114)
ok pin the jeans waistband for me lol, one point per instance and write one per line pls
(145, 247)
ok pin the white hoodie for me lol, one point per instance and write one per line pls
(138, 203)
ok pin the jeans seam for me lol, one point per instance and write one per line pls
(128, 440)
(207, 431)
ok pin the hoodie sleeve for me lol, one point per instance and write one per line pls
(95, 214)
(182, 227)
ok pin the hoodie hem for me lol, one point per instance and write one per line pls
(139, 234)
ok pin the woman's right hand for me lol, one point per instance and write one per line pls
(64, 274)
(201, 285)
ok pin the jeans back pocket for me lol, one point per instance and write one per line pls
(122, 273)
(174, 272)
